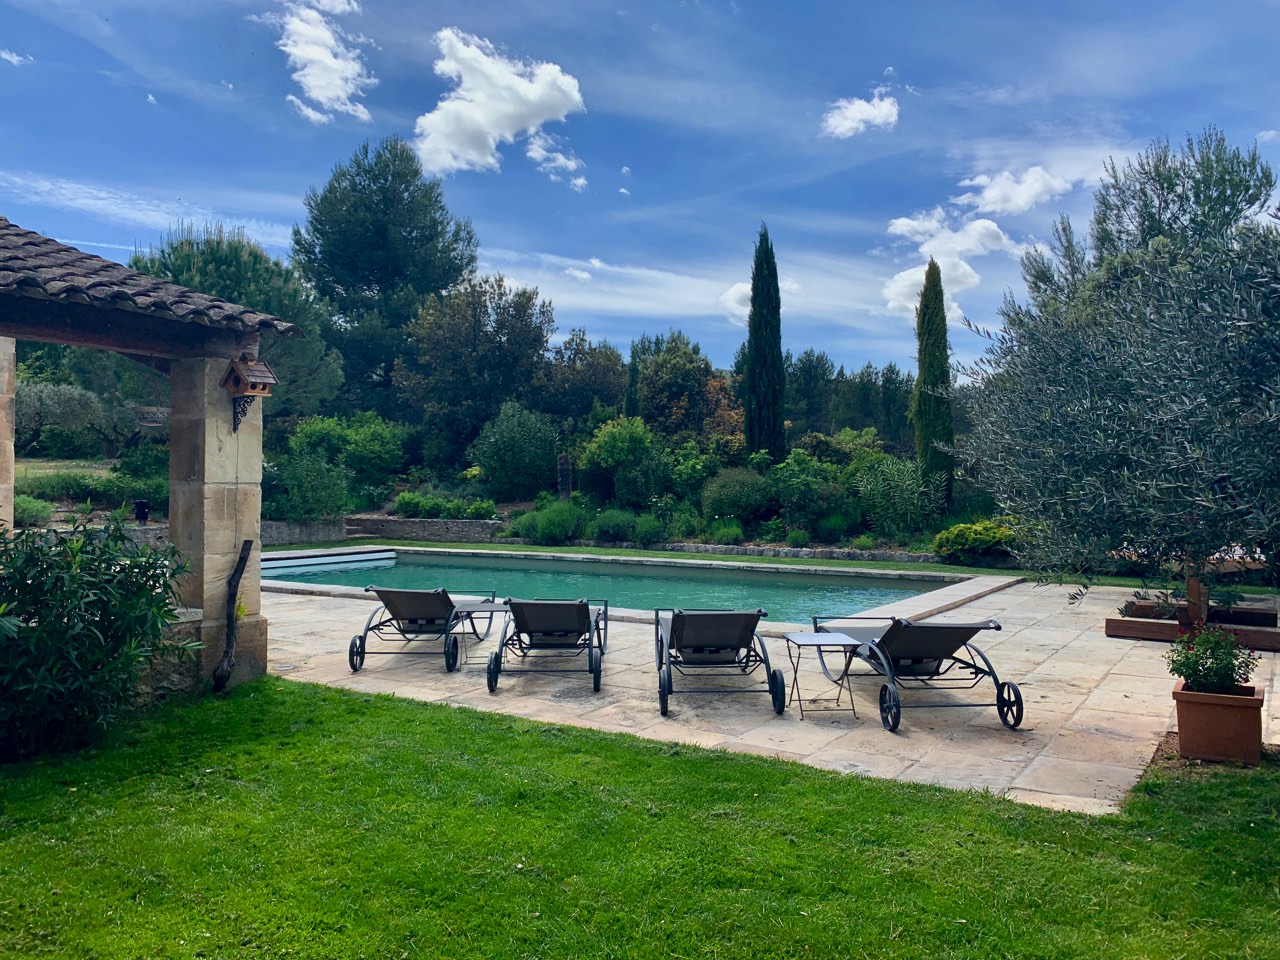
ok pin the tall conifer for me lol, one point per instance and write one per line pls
(931, 400)
(764, 378)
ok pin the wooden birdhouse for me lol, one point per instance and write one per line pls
(247, 379)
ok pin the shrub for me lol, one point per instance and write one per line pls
(146, 461)
(557, 524)
(831, 528)
(684, 523)
(615, 526)
(516, 452)
(798, 538)
(414, 506)
(525, 526)
(864, 542)
(649, 530)
(481, 510)
(89, 610)
(772, 531)
(1210, 660)
(736, 493)
(305, 487)
(30, 512)
(103, 489)
(898, 497)
(725, 531)
(968, 543)
(370, 447)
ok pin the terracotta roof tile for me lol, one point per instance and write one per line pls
(33, 265)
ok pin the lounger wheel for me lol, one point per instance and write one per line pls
(1009, 704)
(355, 655)
(664, 689)
(890, 707)
(492, 670)
(778, 691)
(450, 653)
(597, 664)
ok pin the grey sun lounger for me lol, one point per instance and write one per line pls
(715, 642)
(408, 616)
(551, 636)
(937, 656)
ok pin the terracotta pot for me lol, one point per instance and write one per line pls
(1219, 726)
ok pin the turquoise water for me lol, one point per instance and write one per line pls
(788, 597)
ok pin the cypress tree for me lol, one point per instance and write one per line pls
(931, 399)
(764, 377)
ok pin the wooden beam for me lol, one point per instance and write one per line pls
(119, 330)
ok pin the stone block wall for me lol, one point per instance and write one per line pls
(437, 531)
(276, 533)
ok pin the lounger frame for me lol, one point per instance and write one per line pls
(441, 622)
(526, 649)
(738, 658)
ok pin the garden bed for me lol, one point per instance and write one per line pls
(1253, 621)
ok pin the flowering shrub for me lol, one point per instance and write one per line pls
(1211, 660)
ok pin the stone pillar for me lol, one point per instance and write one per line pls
(215, 502)
(8, 367)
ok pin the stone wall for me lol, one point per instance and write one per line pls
(809, 553)
(436, 531)
(276, 533)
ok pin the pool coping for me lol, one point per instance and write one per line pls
(960, 589)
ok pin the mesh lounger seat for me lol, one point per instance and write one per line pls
(723, 642)
(409, 616)
(552, 632)
(934, 655)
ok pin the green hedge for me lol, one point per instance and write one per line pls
(971, 543)
(103, 489)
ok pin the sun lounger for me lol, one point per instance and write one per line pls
(939, 656)
(407, 617)
(551, 636)
(716, 642)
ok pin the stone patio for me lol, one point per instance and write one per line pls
(1095, 707)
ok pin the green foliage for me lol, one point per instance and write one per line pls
(864, 541)
(516, 451)
(726, 531)
(672, 385)
(811, 385)
(798, 538)
(737, 493)
(931, 399)
(899, 498)
(772, 531)
(90, 610)
(370, 448)
(764, 376)
(615, 526)
(1211, 660)
(649, 530)
(66, 421)
(305, 486)
(145, 460)
(378, 239)
(876, 398)
(417, 506)
(621, 455)
(102, 489)
(30, 512)
(581, 377)
(832, 528)
(553, 525)
(972, 543)
(691, 469)
(225, 263)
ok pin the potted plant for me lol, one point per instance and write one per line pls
(1219, 713)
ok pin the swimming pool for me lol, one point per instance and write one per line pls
(788, 597)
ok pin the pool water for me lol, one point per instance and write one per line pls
(787, 597)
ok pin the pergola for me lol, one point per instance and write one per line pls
(54, 293)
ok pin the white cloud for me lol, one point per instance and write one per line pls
(846, 118)
(624, 191)
(1264, 136)
(736, 301)
(889, 71)
(119, 206)
(17, 59)
(952, 248)
(495, 101)
(327, 64)
(227, 85)
(151, 99)
(1007, 193)
(577, 274)
(307, 113)
(626, 171)
(542, 149)
(578, 184)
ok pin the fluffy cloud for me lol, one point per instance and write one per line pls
(1006, 193)
(577, 274)
(17, 59)
(626, 171)
(847, 118)
(578, 184)
(952, 248)
(624, 191)
(326, 61)
(495, 101)
(1264, 136)
(736, 301)
(151, 99)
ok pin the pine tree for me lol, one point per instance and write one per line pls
(764, 379)
(931, 400)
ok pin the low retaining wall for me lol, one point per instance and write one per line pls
(435, 531)
(278, 532)
(808, 553)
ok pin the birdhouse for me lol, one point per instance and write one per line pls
(249, 378)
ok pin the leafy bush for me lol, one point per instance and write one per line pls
(899, 498)
(480, 510)
(103, 489)
(772, 531)
(864, 542)
(147, 461)
(969, 543)
(649, 530)
(525, 526)
(683, 523)
(516, 452)
(833, 527)
(725, 531)
(30, 512)
(1211, 660)
(302, 487)
(691, 469)
(736, 493)
(416, 506)
(89, 610)
(615, 526)
(799, 538)
(557, 524)
(370, 447)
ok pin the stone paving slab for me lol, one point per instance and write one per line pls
(1095, 706)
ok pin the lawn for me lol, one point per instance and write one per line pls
(289, 820)
(39, 467)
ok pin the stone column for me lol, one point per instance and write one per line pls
(215, 502)
(8, 367)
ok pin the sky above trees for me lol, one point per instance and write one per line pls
(620, 157)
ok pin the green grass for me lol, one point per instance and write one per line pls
(288, 820)
(33, 468)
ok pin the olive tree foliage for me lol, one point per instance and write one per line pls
(225, 263)
(516, 451)
(73, 409)
(1130, 410)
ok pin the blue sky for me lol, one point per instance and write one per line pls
(621, 156)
